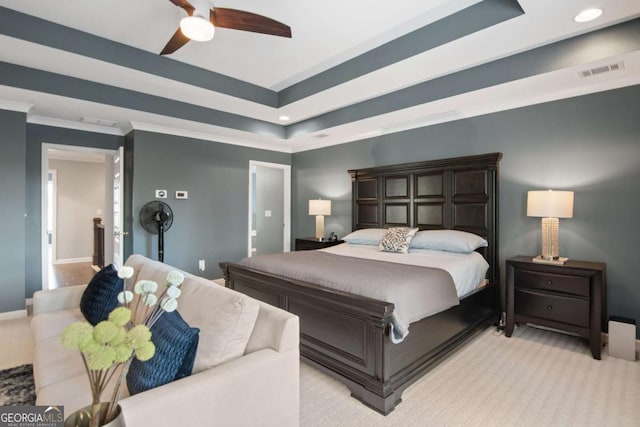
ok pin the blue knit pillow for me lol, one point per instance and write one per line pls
(101, 295)
(176, 344)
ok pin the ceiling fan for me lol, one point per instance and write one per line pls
(202, 17)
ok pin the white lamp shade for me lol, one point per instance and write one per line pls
(319, 207)
(550, 204)
(197, 28)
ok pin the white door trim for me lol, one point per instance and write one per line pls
(54, 214)
(44, 169)
(286, 235)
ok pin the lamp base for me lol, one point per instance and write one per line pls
(556, 261)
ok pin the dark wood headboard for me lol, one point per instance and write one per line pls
(460, 193)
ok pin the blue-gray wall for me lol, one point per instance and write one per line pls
(12, 200)
(213, 223)
(589, 144)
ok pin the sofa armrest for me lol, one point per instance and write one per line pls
(275, 328)
(57, 299)
(261, 388)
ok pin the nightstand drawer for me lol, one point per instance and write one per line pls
(573, 311)
(575, 285)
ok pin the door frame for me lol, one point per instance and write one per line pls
(54, 213)
(44, 169)
(286, 235)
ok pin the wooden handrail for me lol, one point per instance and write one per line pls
(98, 242)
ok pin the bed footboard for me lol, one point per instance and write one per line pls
(346, 336)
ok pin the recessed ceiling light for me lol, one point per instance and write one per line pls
(588, 15)
(284, 118)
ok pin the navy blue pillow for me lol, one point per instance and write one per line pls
(176, 344)
(101, 295)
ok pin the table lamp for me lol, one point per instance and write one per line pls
(319, 208)
(550, 206)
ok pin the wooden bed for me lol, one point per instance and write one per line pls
(346, 335)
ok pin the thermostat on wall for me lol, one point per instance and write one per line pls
(161, 194)
(182, 194)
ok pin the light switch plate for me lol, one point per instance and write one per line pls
(267, 214)
(161, 194)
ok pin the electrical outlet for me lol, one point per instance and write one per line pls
(201, 265)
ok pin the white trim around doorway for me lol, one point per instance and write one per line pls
(44, 167)
(287, 202)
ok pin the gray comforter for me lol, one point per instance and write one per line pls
(416, 292)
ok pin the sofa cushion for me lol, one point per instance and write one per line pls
(225, 317)
(176, 344)
(51, 324)
(52, 362)
(74, 393)
(101, 295)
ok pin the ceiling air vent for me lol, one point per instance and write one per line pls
(100, 122)
(590, 72)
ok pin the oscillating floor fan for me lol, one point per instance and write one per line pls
(156, 217)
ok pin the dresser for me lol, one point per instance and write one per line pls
(311, 243)
(569, 297)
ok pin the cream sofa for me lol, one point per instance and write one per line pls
(259, 388)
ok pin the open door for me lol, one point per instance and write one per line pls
(118, 219)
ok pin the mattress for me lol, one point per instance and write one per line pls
(468, 270)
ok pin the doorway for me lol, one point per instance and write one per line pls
(269, 208)
(76, 190)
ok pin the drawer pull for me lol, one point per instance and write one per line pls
(549, 308)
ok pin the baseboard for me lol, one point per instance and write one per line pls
(9, 315)
(72, 260)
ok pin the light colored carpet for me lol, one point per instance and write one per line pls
(16, 348)
(535, 378)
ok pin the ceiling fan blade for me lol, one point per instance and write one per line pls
(177, 41)
(185, 5)
(247, 21)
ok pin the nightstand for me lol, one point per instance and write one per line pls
(569, 297)
(311, 243)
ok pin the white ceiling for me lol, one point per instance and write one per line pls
(324, 34)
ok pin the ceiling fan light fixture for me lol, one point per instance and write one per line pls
(197, 28)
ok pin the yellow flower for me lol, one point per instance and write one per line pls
(120, 316)
(123, 353)
(90, 346)
(104, 332)
(102, 358)
(76, 334)
(145, 351)
(137, 336)
(119, 338)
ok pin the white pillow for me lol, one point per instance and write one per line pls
(365, 236)
(448, 240)
(397, 239)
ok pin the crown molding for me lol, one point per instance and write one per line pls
(148, 127)
(21, 107)
(69, 124)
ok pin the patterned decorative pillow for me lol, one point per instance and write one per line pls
(101, 295)
(397, 239)
(176, 345)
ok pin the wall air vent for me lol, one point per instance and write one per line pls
(591, 72)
